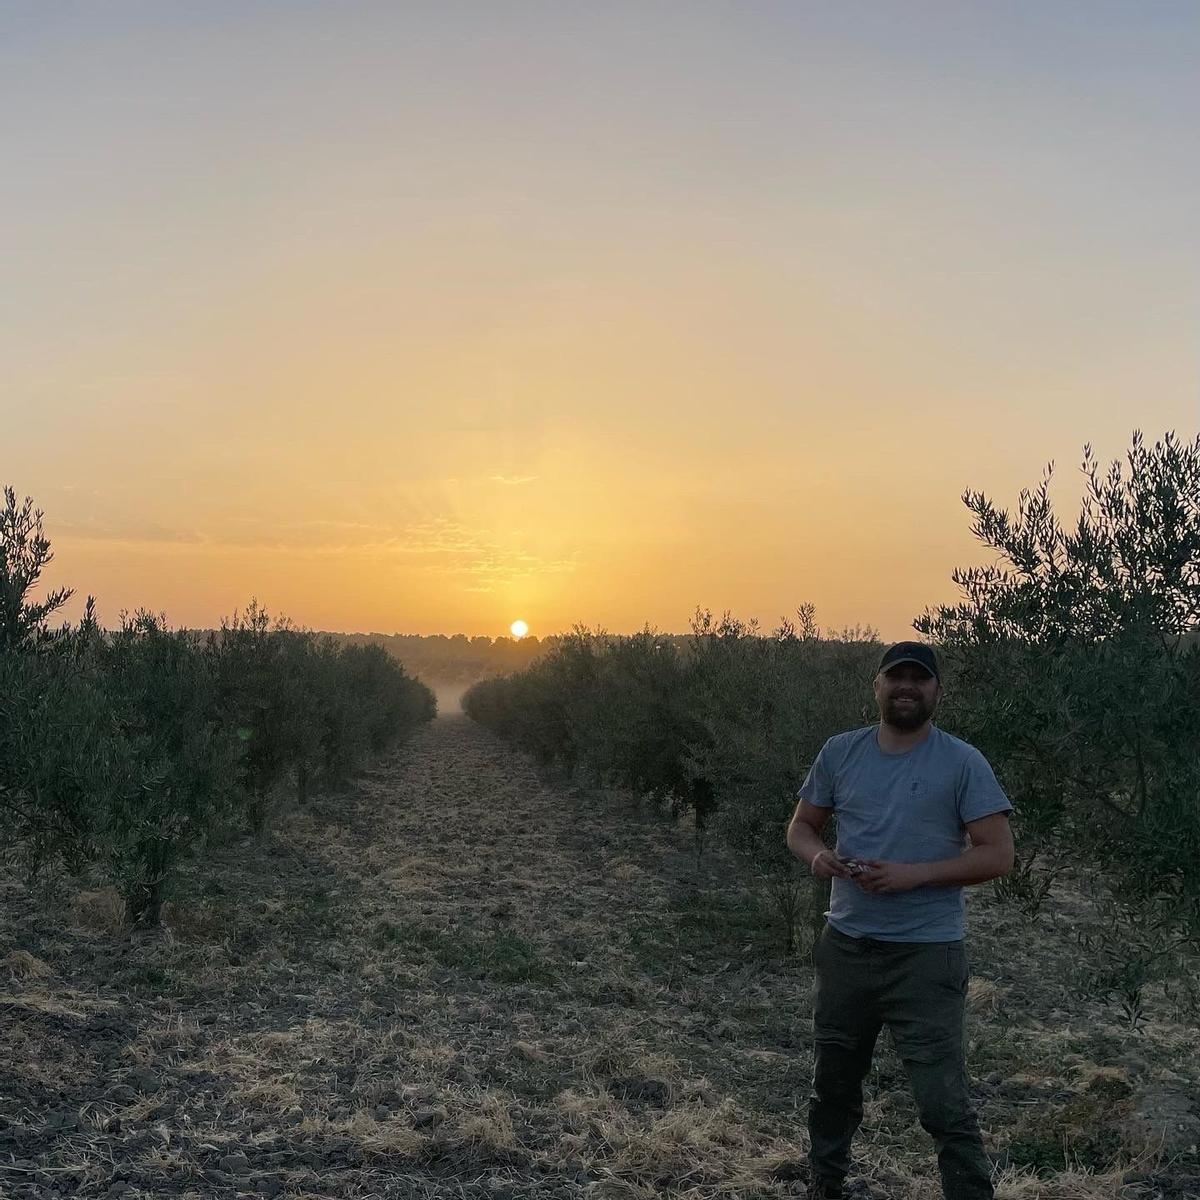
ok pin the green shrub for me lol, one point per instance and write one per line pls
(180, 763)
(61, 756)
(258, 672)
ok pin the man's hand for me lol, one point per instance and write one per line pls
(891, 876)
(827, 865)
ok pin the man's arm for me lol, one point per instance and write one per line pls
(989, 857)
(805, 842)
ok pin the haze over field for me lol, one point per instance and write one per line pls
(431, 317)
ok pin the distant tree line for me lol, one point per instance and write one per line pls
(455, 658)
(1072, 660)
(440, 658)
(127, 751)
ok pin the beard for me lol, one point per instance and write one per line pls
(906, 717)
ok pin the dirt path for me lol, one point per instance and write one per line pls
(455, 979)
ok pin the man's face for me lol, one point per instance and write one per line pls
(907, 696)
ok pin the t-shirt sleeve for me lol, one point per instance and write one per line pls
(817, 787)
(979, 792)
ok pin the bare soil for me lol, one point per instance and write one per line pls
(460, 979)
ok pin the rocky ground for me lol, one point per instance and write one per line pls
(458, 979)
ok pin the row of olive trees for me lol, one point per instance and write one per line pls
(132, 749)
(723, 727)
(1071, 660)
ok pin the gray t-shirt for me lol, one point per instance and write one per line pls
(909, 807)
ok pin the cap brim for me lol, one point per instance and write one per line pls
(897, 661)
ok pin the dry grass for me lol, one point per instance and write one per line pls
(458, 980)
(23, 965)
(102, 910)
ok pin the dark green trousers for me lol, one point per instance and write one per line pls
(918, 990)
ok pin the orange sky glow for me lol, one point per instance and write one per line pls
(426, 318)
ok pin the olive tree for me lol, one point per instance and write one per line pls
(24, 554)
(1076, 671)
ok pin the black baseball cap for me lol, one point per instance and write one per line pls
(913, 652)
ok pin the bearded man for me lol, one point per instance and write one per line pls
(920, 816)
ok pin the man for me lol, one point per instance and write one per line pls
(906, 796)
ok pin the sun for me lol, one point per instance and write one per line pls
(518, 629)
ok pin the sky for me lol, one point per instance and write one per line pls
(425, 317)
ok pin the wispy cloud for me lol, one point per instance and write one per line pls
(512, 480)
(103, 531)
(477, 559)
